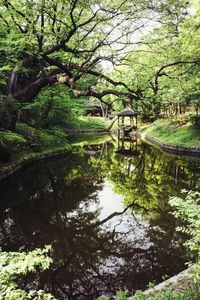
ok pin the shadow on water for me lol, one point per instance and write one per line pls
(106, 215)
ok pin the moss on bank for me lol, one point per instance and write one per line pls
(171, 133)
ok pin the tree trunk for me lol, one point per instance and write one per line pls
(13, 83)
(102, 109)
(32, 90)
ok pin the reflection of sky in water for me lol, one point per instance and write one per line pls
(109, 201)
(129, 225)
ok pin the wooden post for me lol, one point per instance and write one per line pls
(123, 136)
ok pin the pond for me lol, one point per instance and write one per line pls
(105, 212)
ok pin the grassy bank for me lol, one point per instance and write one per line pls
(86, 123)
(27, 138)
(28, 144)
(171, 133)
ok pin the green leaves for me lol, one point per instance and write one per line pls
(14, 264)
(187, 208)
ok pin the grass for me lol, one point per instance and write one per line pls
(86, 123)
(43, 138)
(171, 133)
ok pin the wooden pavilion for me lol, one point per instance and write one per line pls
(124, 129)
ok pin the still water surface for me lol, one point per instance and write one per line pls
(106, 216)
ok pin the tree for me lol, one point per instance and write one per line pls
(44, 42)
(41, 40)
(164, 68)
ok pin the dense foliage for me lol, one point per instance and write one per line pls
(165, 67)
(74, 45)
(14, 264)
(187, 208)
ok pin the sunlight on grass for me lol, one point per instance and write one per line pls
(173, 134)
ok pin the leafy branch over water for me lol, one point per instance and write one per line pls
(13, 264)
(188, 209)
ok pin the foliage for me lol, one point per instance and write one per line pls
(8, 107)
(168, 294)
(164, 68)
(15, 264)
(44, 138)
(57, 106)
(10, 138)
(187, 208)
(86, 123)
(54, 106)
(121, 295)
(29, 140)
(46, 43)
(41, 40)
(52, 62)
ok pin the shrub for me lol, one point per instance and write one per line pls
(187, 208)
(14, 264)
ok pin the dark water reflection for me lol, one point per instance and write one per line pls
(106, 216)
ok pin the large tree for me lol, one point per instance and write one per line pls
(41, 39)
(43, 42)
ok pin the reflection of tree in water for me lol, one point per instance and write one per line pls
(90, 256)
(150, 178)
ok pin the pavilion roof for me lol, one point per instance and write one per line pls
(127, 112)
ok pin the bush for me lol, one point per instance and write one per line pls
(187, 208)
(14, 264)
(40, 138)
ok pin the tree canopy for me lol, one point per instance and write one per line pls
(91, 46)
